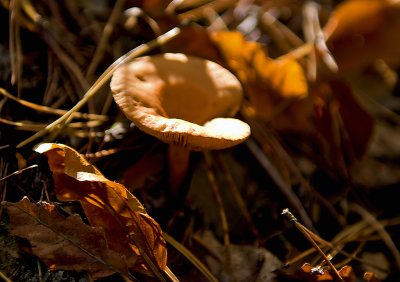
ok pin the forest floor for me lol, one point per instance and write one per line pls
(310, 195)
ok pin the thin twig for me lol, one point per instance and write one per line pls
(222, 214)
(306, 233)
(361, 228)
(18, 172)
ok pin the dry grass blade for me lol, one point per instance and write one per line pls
(200, 12)
(221, 209)
(282, 36)
(280, 182)
(314, 35)
(238, 197)
(380, 229)
(5, 277)
(44, 109)
(298, 53)
(56, 44)
(102, 80)
(15, 46)
(352, 233)
(18, 172)
(193, 259)
(77, 129)
(108, 29)
(309, 26)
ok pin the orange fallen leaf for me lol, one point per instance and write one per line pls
(361, 31)
(64, 242)
(277, 89)
(110, 206)
(306, 272)
(370, 277)
(329, 116)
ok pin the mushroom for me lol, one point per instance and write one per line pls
(184, 101)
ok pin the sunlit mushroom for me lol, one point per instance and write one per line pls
(184, 101)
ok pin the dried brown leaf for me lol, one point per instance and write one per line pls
(64, 242)
(108, 205)
(362, 31)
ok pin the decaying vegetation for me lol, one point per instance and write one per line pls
(111, 172)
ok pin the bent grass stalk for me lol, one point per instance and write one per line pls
(48, 110)
(138, 51)
(193, 259)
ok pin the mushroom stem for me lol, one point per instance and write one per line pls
(178, 161)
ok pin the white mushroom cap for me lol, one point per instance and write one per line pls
(182, 100)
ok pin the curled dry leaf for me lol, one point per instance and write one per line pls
(361, 31)
(64, 242)
(277, 89)
(110, 206)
